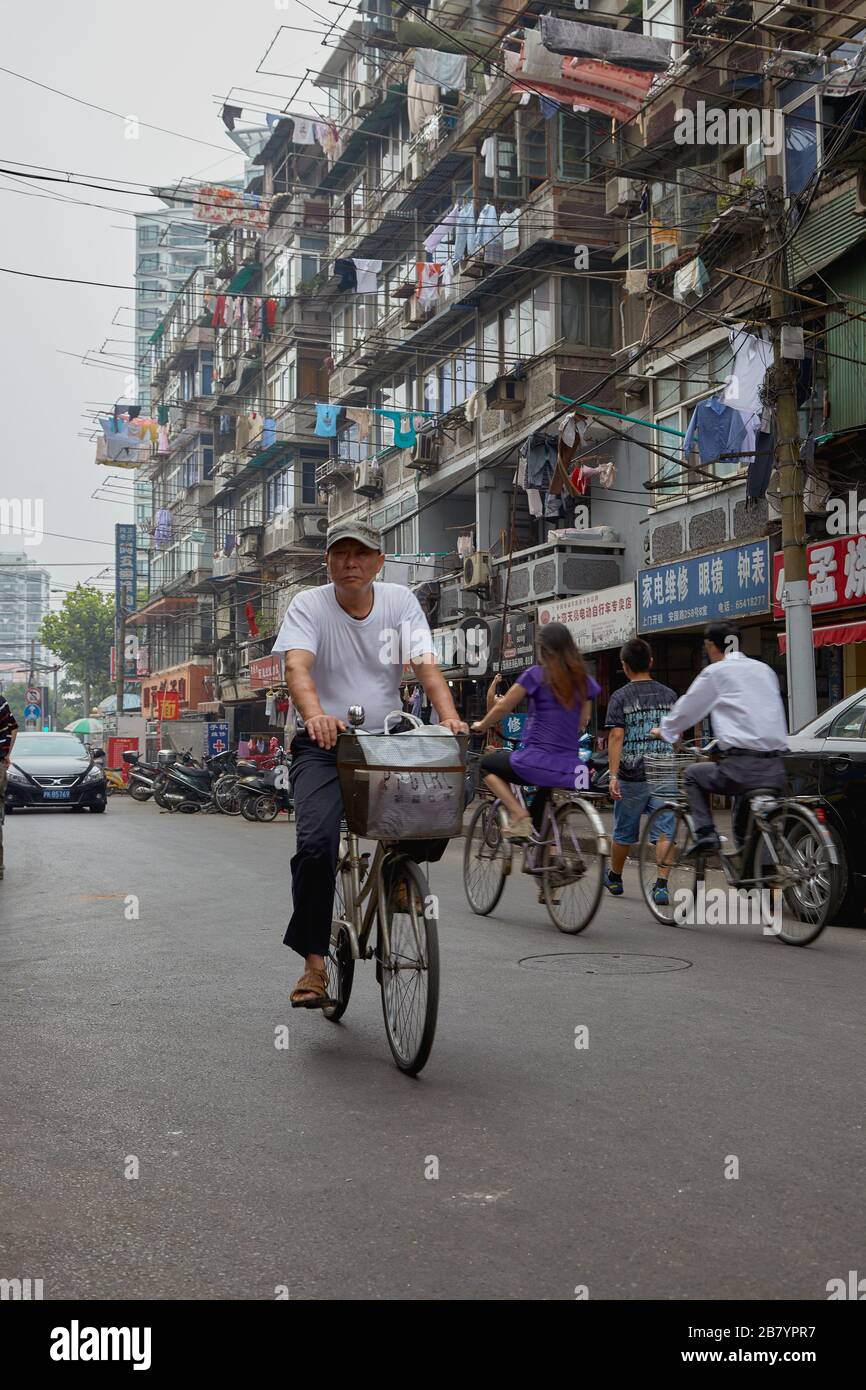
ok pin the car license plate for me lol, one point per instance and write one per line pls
(56, 793)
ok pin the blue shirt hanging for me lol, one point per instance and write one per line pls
(326, 420)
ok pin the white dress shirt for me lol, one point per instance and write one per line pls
(742, 698)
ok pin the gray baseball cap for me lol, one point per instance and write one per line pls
(353, 531)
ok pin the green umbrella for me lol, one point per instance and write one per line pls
(85, 726)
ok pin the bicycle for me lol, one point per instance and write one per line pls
(786, 853)
(568, 855)
(406, 950)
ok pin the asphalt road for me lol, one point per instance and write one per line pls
(148, 1041)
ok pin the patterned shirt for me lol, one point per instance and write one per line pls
(8, 727)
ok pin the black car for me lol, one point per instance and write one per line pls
(50, 770)
(827, 758)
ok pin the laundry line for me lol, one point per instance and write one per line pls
(632, 419)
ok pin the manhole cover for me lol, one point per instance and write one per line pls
(602, 963)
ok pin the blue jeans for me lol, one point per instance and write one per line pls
(639, 799)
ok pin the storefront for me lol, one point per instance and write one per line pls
(675, 602)
(599, 623)
(837, 588)
(192, 684)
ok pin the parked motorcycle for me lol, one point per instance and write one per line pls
(184, 785)
(263, 794)
(142, 776)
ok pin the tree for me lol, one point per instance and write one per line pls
(82, 635)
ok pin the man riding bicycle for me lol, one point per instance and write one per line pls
(742, 698)
(344, 645)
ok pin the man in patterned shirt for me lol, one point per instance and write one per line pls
(8, 733)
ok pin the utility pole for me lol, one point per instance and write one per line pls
(56, 710)
(120, 660)
(800, 654)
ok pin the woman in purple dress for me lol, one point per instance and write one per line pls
(560, 691)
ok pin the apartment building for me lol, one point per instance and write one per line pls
(24, 602)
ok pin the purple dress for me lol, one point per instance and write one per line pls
(549, 755)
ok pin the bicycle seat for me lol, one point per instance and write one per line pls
(764, 791)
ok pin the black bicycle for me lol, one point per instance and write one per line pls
(782, 873)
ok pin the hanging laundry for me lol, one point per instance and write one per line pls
(487, 233)
(553, 506)
(359, 416)
(219, 313)
(613, 91)
(690, 279)
(536, 505)
(404, 427)
(428, 282)
(752, 357)
(607, 474)
(162, 440)
(448, 223)
(719, 431)
(447, 71)
(162, 414)
(760, 467)
(475, 403)
(230, 114)
(422, 99)
(250, 615)
(564, 36)
(636, 282)
(346, 274)
(538, 61)
(366, 274)
(326, 420)
(269, 433)
(164, 529)
(540, 459)
(508, 226)
(303, 131)
(549, 107)
(270, 314)
(488, 154)
(464, 238)
(230, 543)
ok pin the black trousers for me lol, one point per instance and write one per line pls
(736, 777)
(318, 810)
(498, 761)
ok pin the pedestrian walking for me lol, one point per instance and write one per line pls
(632, 714)
(8, 735)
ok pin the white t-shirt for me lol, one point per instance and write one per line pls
(358, 661)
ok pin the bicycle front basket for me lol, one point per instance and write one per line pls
(403, 786)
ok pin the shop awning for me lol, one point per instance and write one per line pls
(839, 635)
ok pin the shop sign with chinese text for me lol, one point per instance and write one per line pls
(596, 621)
(836, 572)
(725, 586)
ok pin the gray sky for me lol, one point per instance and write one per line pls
(164, 63)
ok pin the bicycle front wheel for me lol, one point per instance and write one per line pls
(486, 859)
(794, 872)
(666, 860)
(573, 877)
(409, 969)
(225, 795)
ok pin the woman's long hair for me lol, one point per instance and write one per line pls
(563, 665)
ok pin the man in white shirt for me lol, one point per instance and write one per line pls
(742, 698)
(345, 644)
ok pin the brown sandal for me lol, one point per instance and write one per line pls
(315, 984)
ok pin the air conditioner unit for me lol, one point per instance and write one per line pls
(310, 527)
(365, 97)
(417, 167)
(476, 571)
(226, 663)
(424, 452)
(248, 545)
(620, 196)
(506, 393)
(367, 479)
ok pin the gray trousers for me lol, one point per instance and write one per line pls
(735, 776)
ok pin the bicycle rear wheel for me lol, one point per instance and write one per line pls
(409, 973)
(792, 864)
(225, 795)
(573, 879)
(486, 859)
(681, 874)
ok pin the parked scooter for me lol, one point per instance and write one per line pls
(142, 776)
(262, 795)
(184, 784)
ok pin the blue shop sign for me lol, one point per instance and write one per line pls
(512, 725)
(728, 585)
(217, 739)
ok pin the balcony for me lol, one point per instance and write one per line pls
(290, 531)
(334, 470)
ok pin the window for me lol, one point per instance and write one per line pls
(250, 508)
(148, 234)
(577, 136)
(148, 263)
(506, 181)
(490, 353)
(587, 312)
(279, 492)
(850, 724)
(224, 524)
(663, 19)
(282, 385)
(677, 389)
(801, 144)
(638, 242)
(533, 149)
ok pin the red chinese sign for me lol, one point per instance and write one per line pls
(266, 671)
(117, 746)
(836, 571)
(167, 705)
